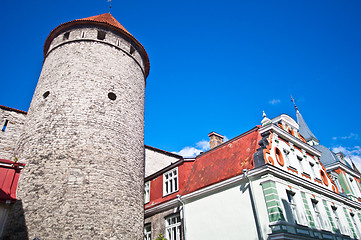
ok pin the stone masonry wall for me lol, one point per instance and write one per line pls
(11, 134)
(84, 152)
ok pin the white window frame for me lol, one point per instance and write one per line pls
(147, 192)
(170, 182)
(355, 224)
(293, 206)
(312, 170)
(300, 163)
(287, 157)
(337, 219)
(318, 215)
(147, 232)
(173, 227)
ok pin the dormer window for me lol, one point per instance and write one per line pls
(170, 182)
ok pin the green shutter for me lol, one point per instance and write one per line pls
(308, 211)
(272, 202)
(329, 216)
(349, 222)
(344, 183)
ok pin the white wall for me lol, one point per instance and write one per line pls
(155, 161)
(224, 215)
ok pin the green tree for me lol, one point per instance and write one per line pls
(160, 237)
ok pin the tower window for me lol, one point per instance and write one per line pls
(132, 49)
(101, 35)
(83, 34)
(5, 125)
(112, 96)
(46, 94)
(66, 36)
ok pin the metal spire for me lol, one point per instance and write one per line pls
(294, 103)
(110, 5)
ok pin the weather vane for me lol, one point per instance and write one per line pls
(294, 102)
(110, 5)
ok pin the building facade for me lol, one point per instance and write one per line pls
(268, 183)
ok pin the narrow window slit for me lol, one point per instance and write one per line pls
(112, 96)
(5, 125)
(46, 94)
(66, 36)
(101, 35)
(132, 50)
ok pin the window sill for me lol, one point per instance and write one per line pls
(166, 195)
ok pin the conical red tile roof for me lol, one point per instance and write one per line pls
(104, 20)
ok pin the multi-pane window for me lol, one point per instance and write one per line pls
(337, 219)
(317, 213)
(147, 232)
(287, 157)
(293, 206)
(355, 224)
(173, 227)
(146, 192)
(170, 181)
(312, 170)
(300, 163)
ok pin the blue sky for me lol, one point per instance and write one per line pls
(215, 65)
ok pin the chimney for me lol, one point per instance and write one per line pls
(215, 139)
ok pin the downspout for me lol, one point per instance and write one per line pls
(254, 208)
(179, 198)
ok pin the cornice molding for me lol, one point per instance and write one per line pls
(273, 172)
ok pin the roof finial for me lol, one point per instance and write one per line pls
(110, 5)
(265, 120)
(294, 103)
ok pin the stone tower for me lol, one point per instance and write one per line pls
(83, 139)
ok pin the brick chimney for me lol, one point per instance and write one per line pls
(215, 139)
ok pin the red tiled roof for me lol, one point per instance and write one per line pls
(218, 164)
(223, 162)
(105, 20)
(12, 109)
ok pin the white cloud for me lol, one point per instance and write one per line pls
(354, 136)
(274, 101)
(188, 152)
(351, 153)
(200, 146)
(203, 145)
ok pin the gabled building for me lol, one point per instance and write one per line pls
(268, 183)
(345, 174)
